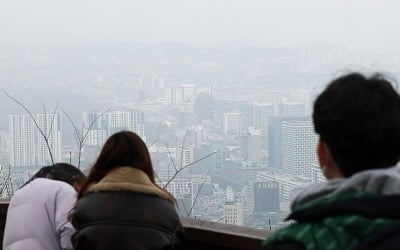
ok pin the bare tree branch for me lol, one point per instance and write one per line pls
(42, 133)
(91, 125)
(170, 157)
(52, 119)
(188, 165)
(158, 179)
(76, 130)
(182, 147)
(198, 193)
(81, 135)
(183, 204)
(154, 142)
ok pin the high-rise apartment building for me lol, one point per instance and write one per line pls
(298, 147)
(291, 144)
(108, 123)
(50, 125)
(22, 140)
(28, 146)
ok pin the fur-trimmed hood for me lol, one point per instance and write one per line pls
(129, 179)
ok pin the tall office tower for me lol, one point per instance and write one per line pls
(106, 124)
(234, 213)
(235, 123)
(50, 124)
(292, 109)
(291, 133)
(261, 114)
(22, 140)
(266, 196)
(298, 147)
(28, 146)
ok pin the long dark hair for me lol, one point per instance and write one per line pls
(60, 172)
(124, 148)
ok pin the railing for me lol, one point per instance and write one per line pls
(200, 234)
(210, 235)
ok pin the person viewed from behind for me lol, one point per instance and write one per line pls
(37, 216)
(358, 123)
(120, 206)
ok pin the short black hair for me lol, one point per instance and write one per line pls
(359, 119)
(60, 172)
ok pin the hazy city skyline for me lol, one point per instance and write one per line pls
(221, 91)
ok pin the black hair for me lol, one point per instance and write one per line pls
(359, 120)
(60, 172)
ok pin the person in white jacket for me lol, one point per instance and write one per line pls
(37, 216)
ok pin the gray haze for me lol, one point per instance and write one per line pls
(208, 22)
(233, 80)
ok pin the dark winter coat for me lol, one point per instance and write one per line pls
(126, 211)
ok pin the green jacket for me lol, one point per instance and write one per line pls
(339, 218)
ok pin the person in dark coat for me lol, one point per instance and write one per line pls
(120, 206)
(358, 121)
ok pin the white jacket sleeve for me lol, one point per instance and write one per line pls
(65, 201)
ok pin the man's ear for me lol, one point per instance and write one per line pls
(326, 162)
(322, 154)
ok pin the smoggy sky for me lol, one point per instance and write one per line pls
(365, 23)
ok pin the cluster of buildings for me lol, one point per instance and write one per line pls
(229, 161)
(229, 131)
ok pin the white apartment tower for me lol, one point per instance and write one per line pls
(28, 146)
(22, 150)
(103, 125)
(50, 125)
(298, 147)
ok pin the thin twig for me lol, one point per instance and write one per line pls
(170, 157)
(52, 119)
(182, 147)
(198, 193)
(91, 125)
(81, 135)
(154, 142)
(188, 165)
(34, 121)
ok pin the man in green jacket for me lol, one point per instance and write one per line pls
(358, 123)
